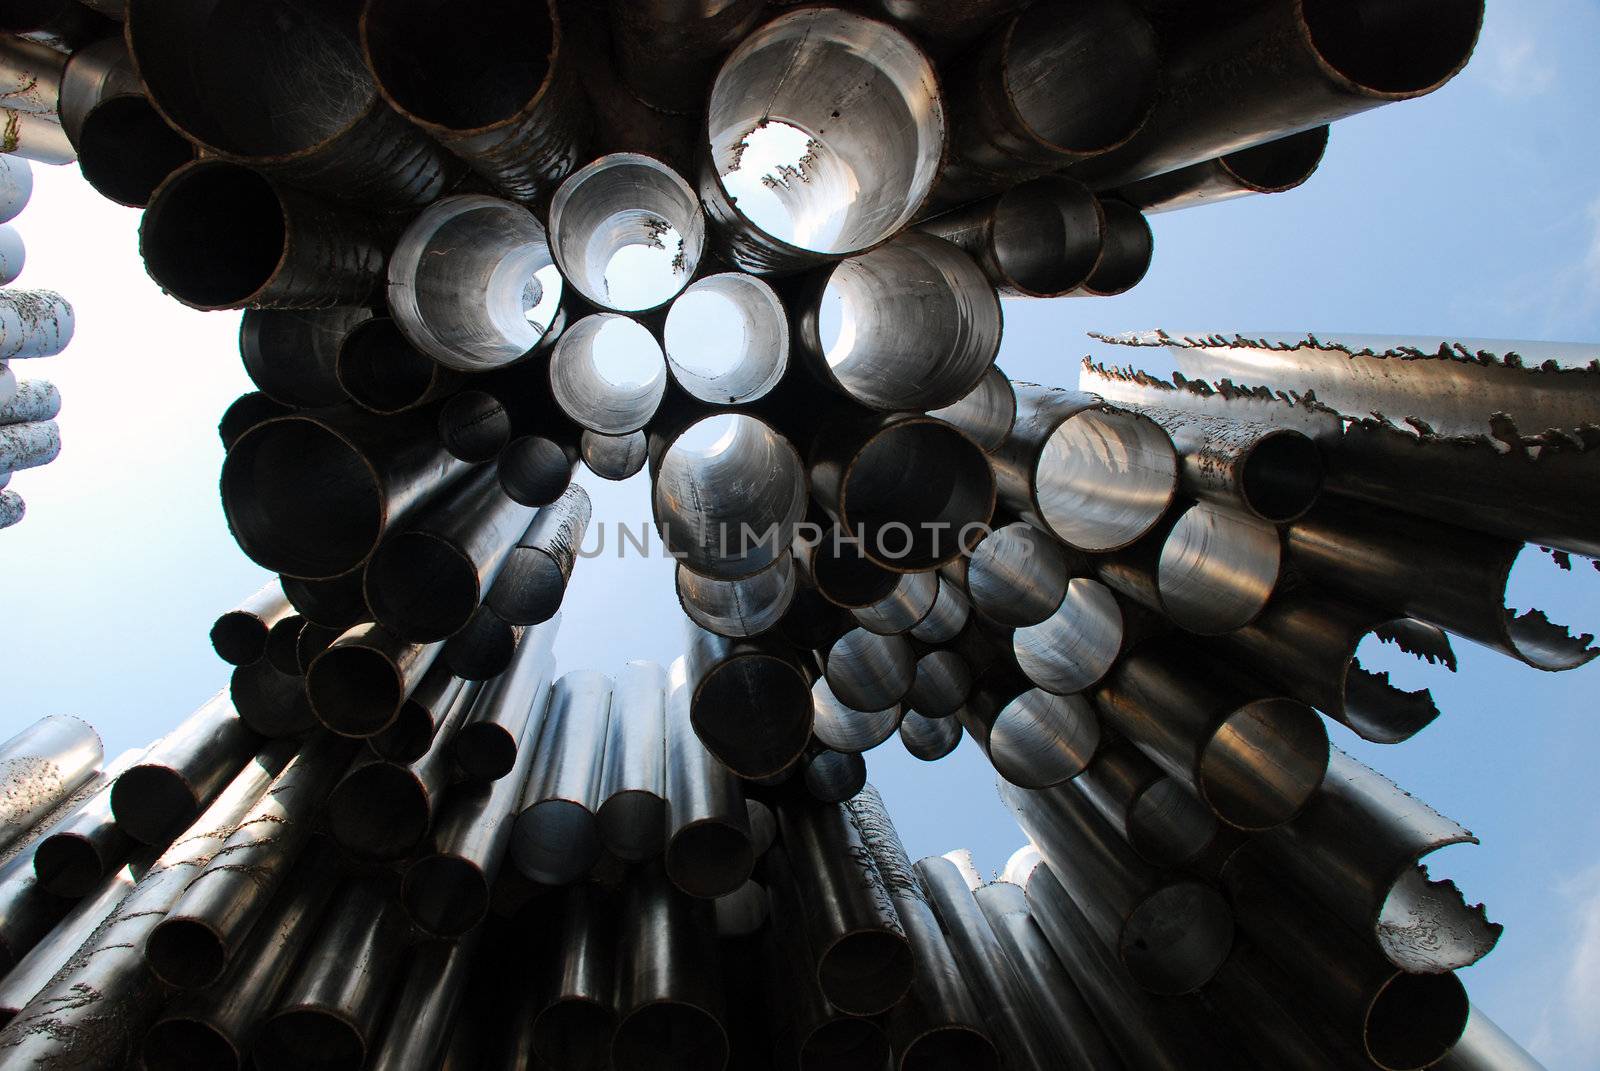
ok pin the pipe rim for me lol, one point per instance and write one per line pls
(756, 374)
(1429, 25)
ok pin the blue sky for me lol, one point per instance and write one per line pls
(1475, 212)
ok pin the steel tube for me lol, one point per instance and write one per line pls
(12, 508)
(271, 702)
(750, 701)
(534, 580)
(1094, 476)
(27, 912)
(163, 793)
(523, 130)
(1483, 1046)
(43, 765)
(709, 849)
(929, 739)
(633, 808)
(1158, 817)
(1076, 646)
(1016, 575)
(949, 616)
(668, 52)
(1272, 473)
(30, 76)
(608, 374)
(1272, 167)
(903, 608)
(535, 470)
(245, 412)
(986, 412)
(30, 974)
(576, 992)
(28, 446)
(378, 368)
(858, 178)
(432, 992)
(240, 636)
(844, 729)
(1034, 739)
(424, 716)
(16, 186)
(333, 603)
(1126, 255)
(1171, 933)
(473, 426)
(486, 745)
(833, 776)
(739, 608)
(837, 566)
(868, 671)
(289, 251)
(73, 856)
(34, 323)
(126, 150)
(97, 72)
(556, 839)
(482, 650)
(726, 339)
(942, 684)
(862, 959)
(1042, 238)
(328, 1014)
(614, 457)
(358, 685)
(35, 137)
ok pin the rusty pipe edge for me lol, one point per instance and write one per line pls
(447, 893)
(1400, 1021)
(911, 324)
(728, 495)
(526, 130)
(1309, 63)
(866, 172)
(424, 714)
(633, 810)
(668, 53)
(1460, 585)
(1307, 646)
(833, 776)
(1042, 238)
(1016, 575)
(34, 323)
(424, 582)
(181, 773)
(533, 581)
(608, 374)
(709, 847)
(738, 609)
(986, 412)
(293, 356)
(372, 363)
(862, 959)
(1033, 739)
(1094, 476)
(268, 700)
(556, 837)
(929, 739)
(312, 494)
(750, 701)
(1255, 758)
(1276, 166)
(126, 151)
(290, 250)
(45, 763)
(903, 608)
(1171, 933)
(486, 745)
(670, 1010)
(1075, 647)
(574, 1009)
(205, 930)
(358, 685)
(1156, 814)
(1047, 89)
(749, 353)
(943, 682)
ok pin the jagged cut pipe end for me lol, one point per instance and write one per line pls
(1378, 710)
(1427, 927)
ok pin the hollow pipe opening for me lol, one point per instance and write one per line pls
(929, 739)
(1017, 576)
(845, 1043)
(710, 858)
(608, 374)
(185, 953)
(1282, 476)
(987, 413)
(1126, 255)
(1281, 165)
(182, 1044)
(381, 371)
(181, 235)
(835, 776)
(950, 1048)
(421, 586)
(68, 864)
(126, 150)
(309, 1038)
(1415, 1019)
(1393, 49)
(919, 494)
(533, 470)
(1076, 646)
(942, 684)
(380, 811)
(841, 728)
(1104, 478)
(239, 637)
(1217, 569)
(1046, 236)
(556, 842)
(669, 1036)
(573, 1033)
(1174, 941)
(739, 608)
(445, 895)
(1536, 636)
(727, 339)
(1039, 740)
(753, 712)
(474, 426)
(153, 804)
(903, 608)
(1263, 763)
(354, 690)
(614, 457)
(1167, 825)
(865, 972)
(868, 671)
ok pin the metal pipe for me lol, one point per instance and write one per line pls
(1016, 575)
(1255, 758)
(986, 412)
(1094, 476)
(911, 324)
(240, 636)
(633, 808)
(375, 366)
(473, 426)
(525, 129)
(742, 912)
(126, 150)
(44, 764)
(942, 684)
(556, 840)
(312, 641)
(12, 508)
(358, 685)
(1075, 647)
(34, 323)
(447, 893)
(1042, 238)
(1171, 933)
(914, 489)
(328, 1015)
(575, 1013)
(431, 994)
(670, 1006)
(1126, 255)
(1156, 814)
(848, 182)
(709, 849)
(30, 76)
(1047, 89)
(73, 856)
(739, 608)
(534, 470)
(163, 793)
(833, 776)
(289, 251)
(268, 700)
(336, 602)
(1309, 63)
(13, 255)
(949, 616)
(534, 579)
(614, 457)
(312, 494)
(726, 339)
(423, 717)
(843, 729)
(1460, 585)
(16, 187)
(1307, 646)
(1034, 739)
(27, 911)
(1401, 1021)
(210, 923)
(903, 608)
(97, 72)
(867, 671)
(35, 137)
(483, 649)
(667, 53)
(929, 739)
(750, 701)
(1483, 1046)
(608, 374)
(486, 745)
(863, 960)
(837, 566)
(1272, 167)
(423, 583)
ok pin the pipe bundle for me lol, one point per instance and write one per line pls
(759, 254)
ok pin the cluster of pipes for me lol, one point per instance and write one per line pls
(400, 840)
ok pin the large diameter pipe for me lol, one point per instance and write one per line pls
(614, 457)
(1042, 238)
(1156, 814)
(1254, 758)
(482, 650)
(534, 580)
(862, 959)
(903, 608)
(869, 671)
(1170, 933)
(929, 739)
(1309, 63)
(1075, 647)
(949, 616)
(472, 283)
(536, 469)
(431, 993)
(13, 255)
(423, 717)
(44, 764)
(738, 609)
(986, 412)
(1017, 575)
(292, 355)
(912, 324)
(525, 128)
(74, 856)
(126, 150)
(844, 729)
(726, 339)
(95, 73)
(1273, 167)
(556, 839)
(1034, 739)
(328, 1013)
(271, 702)
(833, 776)
(576, 990)
(633, 807)
(308, 116)
(853, 179)
(486, 745)
(311, 495)
(943, 682)
(1273, 473)
(375, 366)
(290, 250)
(239, 636)
(336, 602)
(709, 849)
(358, 685)
(34, 323)
(750, 701)
(667, 52)
(608, 374)
(1094, 476)
(159, 796)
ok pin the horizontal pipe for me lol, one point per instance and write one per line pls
(533, 582)
(96, 73)
(1041, 238)
(1126, 255)
(750, 701)
(1076, 646)
(180, 774)
(863, 174)
(726, 338)
(292, 251)
(268, 700)
(929, 739)
(239, 636)
(633, 807)
(34, 323)
(709, 847)
(126, 150)
(486, 745)
(739, 608)
(35, 137)
(1272, 167)
(1156, 814)
(358, 685)
(45, 763)
(556, 839)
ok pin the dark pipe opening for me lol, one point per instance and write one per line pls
(1047, 235)
(1394, 46)
(1415, 1019)
(1129, 248)
(309, 1040)
(239, 638)
(334, 603)
(445, 895)
(668, 1036)
(710, 858)
(186, 1044)
(865, 973)
(474, 426)
(355, 691)
(126, 150)
(421, 587)
(1282, 476)
(1280, 165)
(533, 470)
(923, 476)
(186, 953)
(153, 804)
(67, 864)
(573, 1034)
(753, 713)
(214, 236)
(484, 751)
(379, 811)
(381, 371)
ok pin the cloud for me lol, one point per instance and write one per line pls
(1568, 1034)
(1514, 66)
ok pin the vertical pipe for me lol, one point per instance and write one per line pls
(709, 851)
(633, 809)
(556, 839)
(486, 746)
